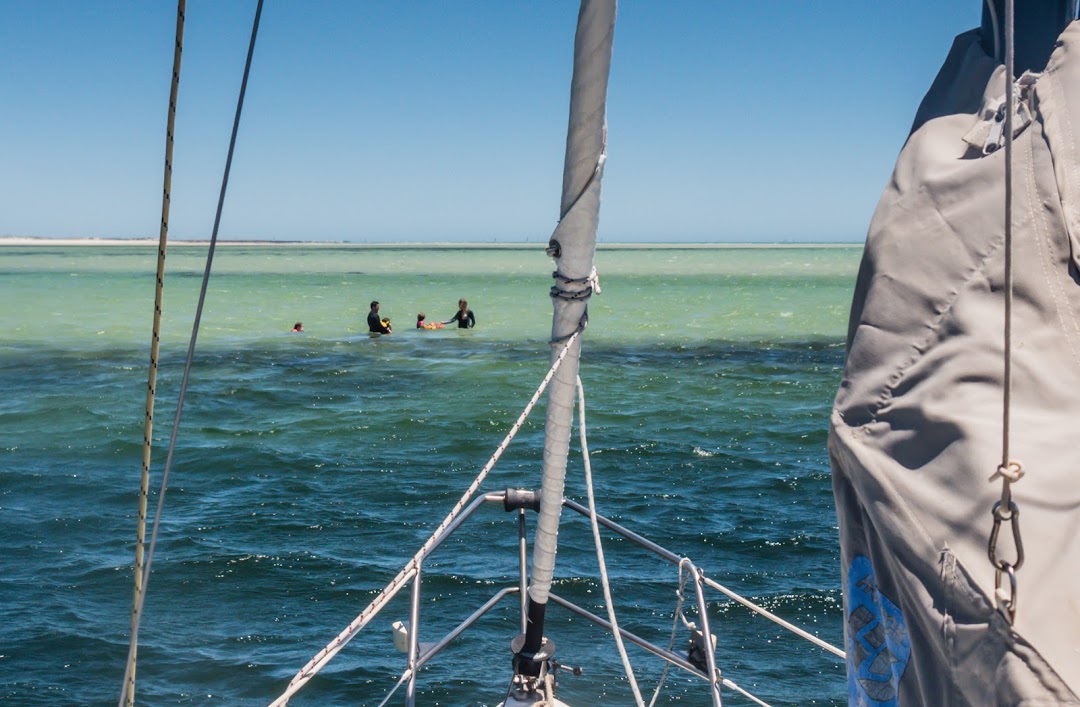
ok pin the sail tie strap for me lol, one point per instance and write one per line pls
(320, 660)
(591, 283)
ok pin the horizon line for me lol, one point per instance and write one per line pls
(58, 242)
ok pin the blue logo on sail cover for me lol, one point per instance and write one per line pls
(878, 647)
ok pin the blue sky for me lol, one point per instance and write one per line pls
(729, 120)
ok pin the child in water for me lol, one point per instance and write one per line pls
(422, 324)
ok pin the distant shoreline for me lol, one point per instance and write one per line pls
(441, 245)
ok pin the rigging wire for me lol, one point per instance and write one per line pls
(155, 345)
(141, 596)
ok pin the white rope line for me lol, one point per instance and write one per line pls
(549, 690)
(674, 630)
(409, 571)
(683, 579)
(604, 581)
(774, 618)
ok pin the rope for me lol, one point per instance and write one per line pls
(592, 280)
(683, 578)
(140, 598)
(674, 630)
(155, 346)
(604, 581)
(409, 571)
(1009, 471)
(1009, 101)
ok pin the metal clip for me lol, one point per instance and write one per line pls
(997, 131)
(1013, 516)
(994, 123)
(1006, 601)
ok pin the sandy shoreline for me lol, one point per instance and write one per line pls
(74, 242)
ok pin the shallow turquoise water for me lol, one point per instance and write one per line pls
(310, 466)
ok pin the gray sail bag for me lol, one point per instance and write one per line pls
(917, 424)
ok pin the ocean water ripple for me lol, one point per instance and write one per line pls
(310, 467)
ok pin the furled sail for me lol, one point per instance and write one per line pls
(572, 245)
(917, 423)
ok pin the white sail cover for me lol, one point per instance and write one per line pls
(917, 424)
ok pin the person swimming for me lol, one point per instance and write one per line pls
(299, 326)
(422, 323)
(464, 316)
(375, 324)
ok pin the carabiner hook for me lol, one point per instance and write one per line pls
(1006, 604)
(1013, 516)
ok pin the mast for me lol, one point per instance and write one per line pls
(573, 245)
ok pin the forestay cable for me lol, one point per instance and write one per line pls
(409, 571)
(140, 598)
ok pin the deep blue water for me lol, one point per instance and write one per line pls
(309, 468)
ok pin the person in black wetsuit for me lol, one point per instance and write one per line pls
(464, 316)
(376, 325)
